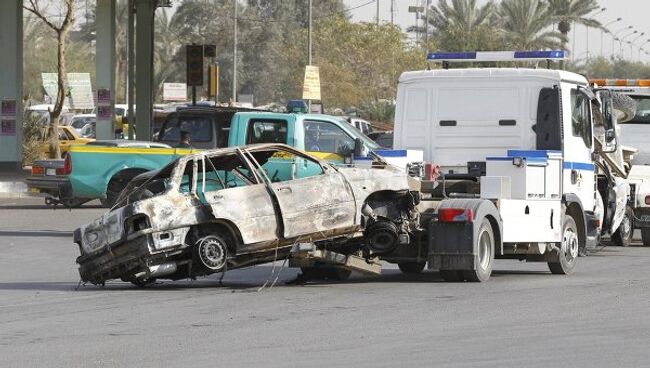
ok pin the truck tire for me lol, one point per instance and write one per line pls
(411, 267)
(623, 235)
(568, 252)
(645, 237)
(625, 106)
(485, 245)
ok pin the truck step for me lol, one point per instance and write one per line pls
(307, 255)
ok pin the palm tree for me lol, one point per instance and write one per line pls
(566, 12)
(526, 23)
(462, 24)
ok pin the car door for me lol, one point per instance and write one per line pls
(314, 199)
(226, 183)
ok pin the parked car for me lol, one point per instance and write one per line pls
(383, 139)
(79, 121)
(363, 126)
(67, 137)
(234, 207)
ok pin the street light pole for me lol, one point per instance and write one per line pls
(234, 55)
(615, 38)
(620, 42)
(587, 30)
(632, 43)
(426, 27)
(642, 49)
(602, 33)
(309, 33)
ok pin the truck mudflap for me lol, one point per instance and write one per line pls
(452, 244)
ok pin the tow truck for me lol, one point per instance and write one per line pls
(634, 136)
(516, 151)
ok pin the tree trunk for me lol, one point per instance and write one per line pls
(55, 114)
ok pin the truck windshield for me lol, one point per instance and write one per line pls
(198, 127)
(356, 133)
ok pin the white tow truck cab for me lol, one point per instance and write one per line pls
(515, 147)
(635, 140)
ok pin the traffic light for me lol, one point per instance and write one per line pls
(194, 60)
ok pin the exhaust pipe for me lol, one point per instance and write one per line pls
(162, 269)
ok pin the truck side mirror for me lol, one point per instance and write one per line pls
(609, 122)
(359, 147)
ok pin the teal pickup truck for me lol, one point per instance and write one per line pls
(98, 172)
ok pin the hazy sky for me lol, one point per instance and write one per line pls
(635, 13)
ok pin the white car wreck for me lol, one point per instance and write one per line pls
(228, 208)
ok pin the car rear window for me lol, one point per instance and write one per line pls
(199, 127)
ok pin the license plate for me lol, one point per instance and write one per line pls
(645, 218)
(50, 172)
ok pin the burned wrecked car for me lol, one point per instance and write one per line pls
(227, 208)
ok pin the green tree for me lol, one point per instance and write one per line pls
(525, 25)
(360, 62)
(60, 23)
(568, 12)
(464, 25)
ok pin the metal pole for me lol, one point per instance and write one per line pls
(377, 12)
(392, 12)
(309, 37)
(426, 27)
(130, 79)
(587, 28)
(309, 47)
(234, 55)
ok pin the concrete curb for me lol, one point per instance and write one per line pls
(43, 233)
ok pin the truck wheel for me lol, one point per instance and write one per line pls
(452, 275)
(485, 246)
(411, 267)
(623, 235)
(568, 253)
(645, 237)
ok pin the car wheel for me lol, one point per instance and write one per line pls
(411, 267)
(568, 253)
(623, 235)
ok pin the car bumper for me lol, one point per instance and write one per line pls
(121, 260)
(642, 217)
(57, 186)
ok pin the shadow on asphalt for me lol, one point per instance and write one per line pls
(242, 283)
(44, 207)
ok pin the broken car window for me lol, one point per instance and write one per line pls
(280, 165)
(222, 171)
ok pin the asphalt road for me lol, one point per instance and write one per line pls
(522, 317)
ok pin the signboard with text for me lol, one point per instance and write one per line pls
(311, 85)
(174, 92)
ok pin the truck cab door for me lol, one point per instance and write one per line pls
(577, 145)
(315, 200)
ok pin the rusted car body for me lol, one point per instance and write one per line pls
(228, 208)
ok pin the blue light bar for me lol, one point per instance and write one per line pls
(496, 56)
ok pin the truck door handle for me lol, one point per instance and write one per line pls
(284, 189)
